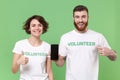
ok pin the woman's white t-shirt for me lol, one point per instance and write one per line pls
(35, 69)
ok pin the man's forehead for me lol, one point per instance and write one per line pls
(80, 12)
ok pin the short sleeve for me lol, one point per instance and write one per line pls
(46, 47)
(103, 42)
(62, 47)
(48, 55)
(17, 48)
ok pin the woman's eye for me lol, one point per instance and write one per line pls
(40, 25)
(33, 25)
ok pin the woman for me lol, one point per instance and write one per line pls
(32, 55)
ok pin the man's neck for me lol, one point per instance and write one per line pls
(84, 31)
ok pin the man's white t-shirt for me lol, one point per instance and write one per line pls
(35, 69)
(81, 54)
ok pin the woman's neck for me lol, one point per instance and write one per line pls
(34, 41)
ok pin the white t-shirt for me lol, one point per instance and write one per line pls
(81, 54)
(35, 69)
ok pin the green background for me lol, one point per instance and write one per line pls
(104, 18)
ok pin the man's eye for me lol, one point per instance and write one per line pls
(83, 16)
(76, 16)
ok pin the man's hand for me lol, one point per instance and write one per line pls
(104, 51)
(111, 54)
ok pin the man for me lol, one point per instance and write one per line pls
(80, 47)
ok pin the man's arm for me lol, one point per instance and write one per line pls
(111, 54)
(60, 62)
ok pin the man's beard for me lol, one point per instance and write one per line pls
(79, 28)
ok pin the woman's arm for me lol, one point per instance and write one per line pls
(49, 68)
(18, 59)
(15, 66)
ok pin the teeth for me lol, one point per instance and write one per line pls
(80, 24)
(37, 31)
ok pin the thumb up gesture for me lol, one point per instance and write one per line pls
(22, 60)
